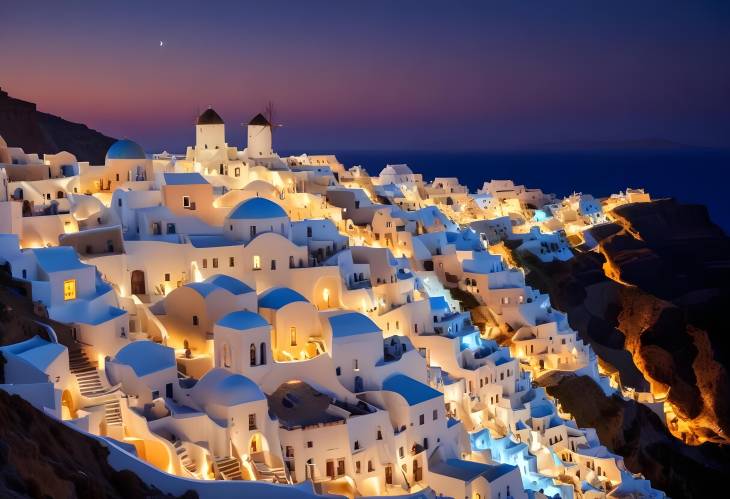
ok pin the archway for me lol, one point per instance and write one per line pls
(68, 410)
(138, 283)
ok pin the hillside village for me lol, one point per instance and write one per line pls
(237, 322)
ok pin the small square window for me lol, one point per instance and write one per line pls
(310, 444)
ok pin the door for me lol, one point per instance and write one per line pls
(358, 384)
(330, 468)
(389, 475)
(138, 284)
(168, 390)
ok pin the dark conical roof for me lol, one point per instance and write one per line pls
(259, 120)
(210, 117)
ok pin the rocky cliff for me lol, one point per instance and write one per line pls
(651, 302)
(22, 125)
(42, 458)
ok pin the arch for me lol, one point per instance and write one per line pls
(138, 283)
(252, 354)
(68, 408)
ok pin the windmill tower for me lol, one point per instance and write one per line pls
(260, 130)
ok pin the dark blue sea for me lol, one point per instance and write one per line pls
(690, 175)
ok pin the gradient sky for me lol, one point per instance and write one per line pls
(396, 74)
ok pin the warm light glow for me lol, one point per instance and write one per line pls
(69, 289)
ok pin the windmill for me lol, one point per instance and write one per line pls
(269, 114)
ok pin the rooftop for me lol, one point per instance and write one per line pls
(125, 149)
(146, 357)
(352, 324)
(184, 179)
(413, 391)
(209, 117)
(242, 320)
(257, 208)
(276, 298)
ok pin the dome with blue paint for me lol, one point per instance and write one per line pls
(125, 149)
(257, 208)
(242, 320)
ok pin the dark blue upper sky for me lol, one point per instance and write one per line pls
(380, 74)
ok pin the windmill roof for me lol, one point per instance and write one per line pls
(259, 120)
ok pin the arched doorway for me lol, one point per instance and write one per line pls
(67, 406)
(138, 283)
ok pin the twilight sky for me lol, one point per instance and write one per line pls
(396, 74)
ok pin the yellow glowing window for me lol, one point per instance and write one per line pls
(256, 262)
(293, 336)
(69, 289)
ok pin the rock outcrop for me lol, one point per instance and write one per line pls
(651, 302)
(41, 457)
(22, 125)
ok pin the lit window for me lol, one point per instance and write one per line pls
(69, 289)
(256, 262)
(293, 336)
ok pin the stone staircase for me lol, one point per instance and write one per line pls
(228, 468)
(90, 385)
(86, 373)
(265, 473)
(182, 454)
(113, 413)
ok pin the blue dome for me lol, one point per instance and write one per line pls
(125, 149)
(257, 208)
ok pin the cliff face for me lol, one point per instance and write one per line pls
(651, 303)
(636, 433)
(40, 457)
(22, 125)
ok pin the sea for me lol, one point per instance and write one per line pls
(696, 176)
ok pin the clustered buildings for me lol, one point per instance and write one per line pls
(236, 316)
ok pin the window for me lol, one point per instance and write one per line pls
(215, 263)
(167, 277)
(401, 452)
(226, 355)
(231, 261)
(355, 366)
(338, 371)
(252, 421)
(309, 232)
(435, 414)
(370, 466)
(186, 201)
(205, 263)
(256, 262)
(69, 289)
(252, 354)
(357, 445)
(421, 419)
(293, 336)
(380, 435)
(253, 231)
(262, 353)
(357, 466)
(273, 264)
(119, 202)
(310, 444)
(195, 320)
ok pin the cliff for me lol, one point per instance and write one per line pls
(40, 457)
(22, 125)
(651, 303)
